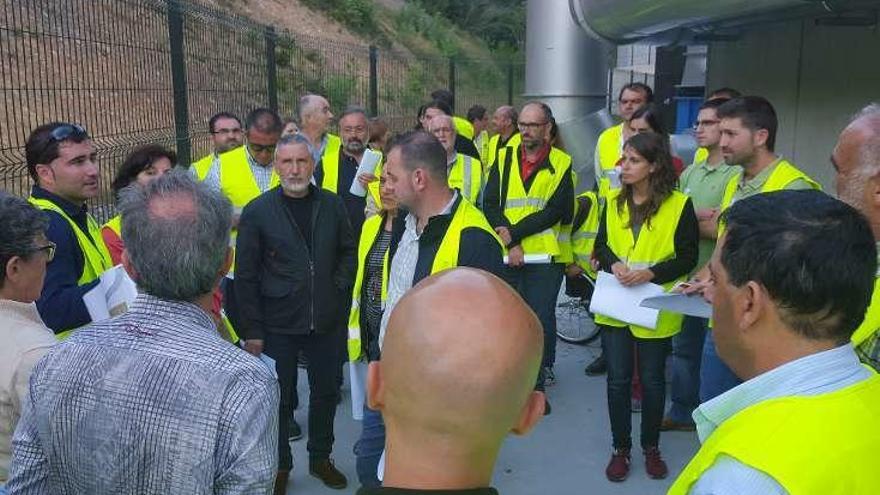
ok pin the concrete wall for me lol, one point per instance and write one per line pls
(815, 76)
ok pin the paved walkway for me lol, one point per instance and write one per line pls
(565, 454)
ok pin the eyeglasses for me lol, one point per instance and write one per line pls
(531, 125)
(48, 248)
(236, 130)
(705, 123)
(259, 148)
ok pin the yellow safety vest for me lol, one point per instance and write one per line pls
(520, 203)
(203, 166)
(513, 142)
(784, 174)
(330, 163)
(871, 322)
(584, 238)
(115, 224)
(609, 155)
(96, 258)
(466, 175)
(483, 146)
(369, 233)
(820, 444)
(701, 155)
(236, 180)
(463, 127)
(655, 244)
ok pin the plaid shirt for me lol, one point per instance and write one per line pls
(150, 402)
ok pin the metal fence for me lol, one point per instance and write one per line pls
(153, 71)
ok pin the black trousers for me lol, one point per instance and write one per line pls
(322, 352)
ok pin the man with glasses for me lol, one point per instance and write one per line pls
(529, 201)
(61, 159)
(464, 172)
(225, 129)
(704, 182)
(609, 147)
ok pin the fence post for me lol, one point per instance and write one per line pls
(510, 83)
(452, 80)
(374, 81)
(271, 71)
(178, 82)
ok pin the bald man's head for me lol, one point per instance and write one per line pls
(459, 362)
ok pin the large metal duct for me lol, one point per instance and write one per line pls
(568, 70)
(679, 21)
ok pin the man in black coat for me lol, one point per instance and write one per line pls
(295, 265)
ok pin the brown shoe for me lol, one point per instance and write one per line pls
(654, 464)
(281, 479)
(670, 425)
(618, 466)
(324, 470)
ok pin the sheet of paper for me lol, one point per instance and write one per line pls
(610, 298)
(367, 166)
(531, 259)
(680, 303)
(112, 296)
(357, 374)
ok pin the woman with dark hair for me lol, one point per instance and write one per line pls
(142, 165)
(422, 118)
(647, 119)
(647, 233)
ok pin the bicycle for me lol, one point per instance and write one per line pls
(574, 322)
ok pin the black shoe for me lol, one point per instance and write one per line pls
(325, 471)
(546, 407)
(294, 432)
(597, 367)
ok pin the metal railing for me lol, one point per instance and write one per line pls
(154, 71)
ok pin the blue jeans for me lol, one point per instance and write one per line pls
(3, 490)
(687, 350)
(715, 377)
(618, 345)
(368, 449)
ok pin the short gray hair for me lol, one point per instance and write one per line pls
(306, 102)
(295, 139)
(869, 154)
(354, 110)
(21, 222)
(176, 257)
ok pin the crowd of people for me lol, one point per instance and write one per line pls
(437, 270)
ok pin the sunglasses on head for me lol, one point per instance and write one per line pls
(67, 131)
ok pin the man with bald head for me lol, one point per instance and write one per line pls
(454, 382)
(506, 133)
(464, 173)
(856, 160)
(296, 263)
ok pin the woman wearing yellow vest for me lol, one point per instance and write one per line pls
(648, 233)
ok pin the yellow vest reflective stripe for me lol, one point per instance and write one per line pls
(115, 224)
(466, 175)
(203, 166)
(463, 127)
(466, 216)
(96, 258)
(513, 142)
(519, 204)
(655, 244)
(609, 155)
(584, 238)
(871, 322)
(330, 163)
(701, 155)
(820, 444)
(369, 232)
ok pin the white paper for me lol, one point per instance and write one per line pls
(357, 374)
(531, 259)
(679, 303)
(112, 296)
(367, 166)
(612, 299)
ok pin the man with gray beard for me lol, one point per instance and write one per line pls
(154, 401)
(856, 161)
(295, 266)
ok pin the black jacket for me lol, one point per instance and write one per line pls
(283, 287)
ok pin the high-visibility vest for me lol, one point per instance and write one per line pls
(701, 155)
(609, 154)
(519, 203)
(203, 166)
(482, 143)
(808, 444)
(513, 142)
(583, 237)
(655, 244)
(871, 323)
(330, 163)
(466, 175)
(463, 127)
(96, 257)
(466, 216)
(115, 224)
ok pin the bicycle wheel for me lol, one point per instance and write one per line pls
(573, 322)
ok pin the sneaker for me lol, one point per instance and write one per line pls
(618, 466)
(654, 464)
(294, 431)
(549, 377)
(669, 425)
(324, 470)
(597, 367)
